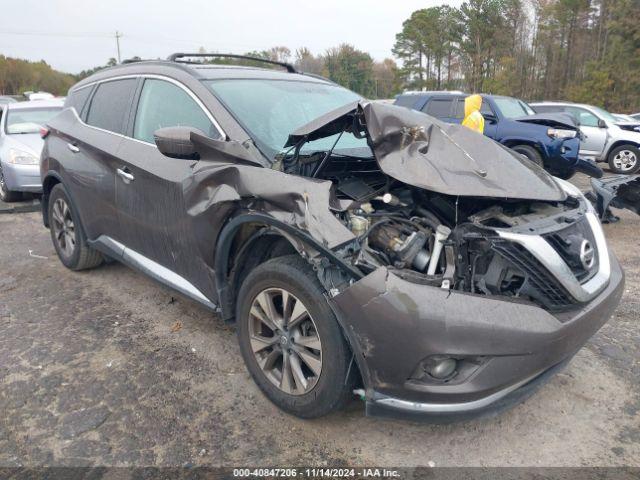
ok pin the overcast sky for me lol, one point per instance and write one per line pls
(73, 35)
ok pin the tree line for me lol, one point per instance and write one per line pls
(578, 50)
(19, 76)
(346, 65)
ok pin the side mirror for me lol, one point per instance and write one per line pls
(602, 123)
(175, 142)
(490, 117)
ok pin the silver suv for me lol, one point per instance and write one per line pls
(606, 138)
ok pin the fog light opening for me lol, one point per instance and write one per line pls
(442, 368)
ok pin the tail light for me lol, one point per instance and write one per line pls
(44, 132)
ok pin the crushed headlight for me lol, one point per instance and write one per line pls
(18, 157)
(560, 133)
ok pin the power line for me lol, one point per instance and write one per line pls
(55, 34)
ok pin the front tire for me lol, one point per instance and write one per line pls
(67, 233)
(290, 339)
(7, 195)
(530, 152)
(624, 159)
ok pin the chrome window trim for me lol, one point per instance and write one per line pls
(74, 90)
(552, 261)
(108, 131)
(157, 77)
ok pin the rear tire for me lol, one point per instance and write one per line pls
(530, 152)
(7, 195)
(306, 367)
(67, 233)
(624, 159)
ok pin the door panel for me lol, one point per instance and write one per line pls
(595, 137)
(85, 171)
(90, 160)
(150, 186)
(491, 128)
(90, 151)
(150, 203)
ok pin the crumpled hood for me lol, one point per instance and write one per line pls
(555, 120)
(424, 152)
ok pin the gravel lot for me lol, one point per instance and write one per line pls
(107, 367)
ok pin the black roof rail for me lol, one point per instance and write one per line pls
(175, 57)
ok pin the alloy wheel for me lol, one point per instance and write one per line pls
(625, 160)
(285, 341)
(63, 227)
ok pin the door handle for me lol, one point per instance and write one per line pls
(125, 175)
(73, 148)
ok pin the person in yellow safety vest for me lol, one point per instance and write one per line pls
(473, 119)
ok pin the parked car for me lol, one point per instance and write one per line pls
(4, 99)
(550, 141)
(358, 246)
(31, 96)
(20, 146)
(606, 139)
(635, 116)
(623, 118)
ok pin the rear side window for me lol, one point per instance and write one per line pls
(439, 107)
(583, 117)
(459, 109)
(406, 101)
(77, 99)
(110, 105)
(163, 104)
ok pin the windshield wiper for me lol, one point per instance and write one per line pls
(327, 156)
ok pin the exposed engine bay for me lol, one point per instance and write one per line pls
(450, 241)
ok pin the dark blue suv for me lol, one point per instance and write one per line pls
(550, 140)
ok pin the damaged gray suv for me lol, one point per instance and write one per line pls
(359, 247)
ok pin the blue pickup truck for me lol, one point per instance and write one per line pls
(550, 140)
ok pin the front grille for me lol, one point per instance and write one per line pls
(539, 284)
(559, 241)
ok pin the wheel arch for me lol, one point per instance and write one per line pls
(620, 143)
(50, 181)
(259, 231)
(239, 251)
(514, 142)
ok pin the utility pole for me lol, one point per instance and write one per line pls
(118, 35)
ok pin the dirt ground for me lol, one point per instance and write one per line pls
(107, 367)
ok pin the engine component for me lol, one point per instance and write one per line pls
(390, 199)
(421, 260)
(358, 224)
(442, 233)
(402, 247)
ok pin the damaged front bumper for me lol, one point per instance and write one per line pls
(502, 348)
(619, 191)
